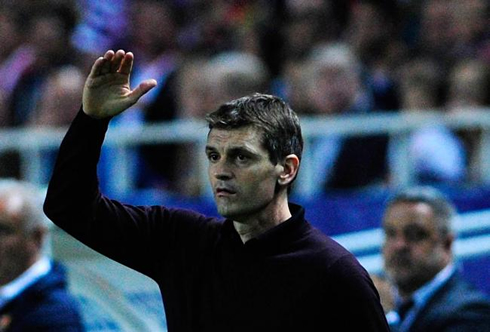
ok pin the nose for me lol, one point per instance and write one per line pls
(221, 170)
(399, 243)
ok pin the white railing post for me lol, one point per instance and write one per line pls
(484, 157)
(402, 173)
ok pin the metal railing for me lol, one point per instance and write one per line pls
(30, 143)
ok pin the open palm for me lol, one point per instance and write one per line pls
(107, 91)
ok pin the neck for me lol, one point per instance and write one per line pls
(256, 225)
(409, 290)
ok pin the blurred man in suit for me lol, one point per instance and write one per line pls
(431, 295)
(33, 295)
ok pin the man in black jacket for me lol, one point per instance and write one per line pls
(265, 268)
(33, 293)
(418, 256)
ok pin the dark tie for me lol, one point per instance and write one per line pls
(404, 307)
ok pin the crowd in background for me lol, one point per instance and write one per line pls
(332, 58)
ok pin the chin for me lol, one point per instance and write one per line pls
(230, 213)
(225, 211)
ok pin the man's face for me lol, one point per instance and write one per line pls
(414, 250)
(335, 90)
(18, 247)
(242, 176)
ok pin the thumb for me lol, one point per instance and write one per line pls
(141, 89)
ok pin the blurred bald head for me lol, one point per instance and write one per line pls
(22, 228)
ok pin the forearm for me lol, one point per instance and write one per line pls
(75, 204)
(73, 188)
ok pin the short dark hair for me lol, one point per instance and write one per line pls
(443, 209)
(281, 130)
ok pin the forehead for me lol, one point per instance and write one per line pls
(402, 214)
(248, 136)
(10, 211)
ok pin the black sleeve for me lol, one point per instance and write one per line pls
(145, 238)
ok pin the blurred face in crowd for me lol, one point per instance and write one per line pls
(414, 250)
(49, 38)
(9, 35)
(241, 173)
(335, 89)
(152, 27)
(19, 247)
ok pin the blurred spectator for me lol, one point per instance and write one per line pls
(49, 28)
(470, 26)
(216, 26)
(418, 257)
(60, 98)
(101, 25)
(385, 290)
(152, 38)
(469, 88)
(307, 26)
(373, 33)
(33, 290)
(234, 74)
(468, 85)
(451, 30)
(15, 58)
(436, 154)
(193, 94)
(46, 28)
(336, 89)
(435, 36)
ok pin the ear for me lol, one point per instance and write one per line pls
(448, 242)
(37, 235)
(288, 170)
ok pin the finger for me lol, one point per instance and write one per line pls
(141, 89)
(106, 65)
(127, 64)
(117, 60)
(95, 70)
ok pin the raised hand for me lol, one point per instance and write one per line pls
(107, 91)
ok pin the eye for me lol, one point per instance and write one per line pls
(241, 157)
(416, 235)
(390, 233)
(213, 156)
(5, 231)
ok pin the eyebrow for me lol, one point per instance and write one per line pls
(210, 148)
(234, 150)
(6, 228)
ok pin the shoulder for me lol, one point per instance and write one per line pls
(459, 294)
(335, 257)
(52, 291)
(48, 303)
(348, 289)
(340, 268)
(458, 304)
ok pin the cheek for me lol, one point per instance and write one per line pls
(423, 251)
(10, 250)
(261, 182)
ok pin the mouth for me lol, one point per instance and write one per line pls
(224, 191)
(401, 262)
